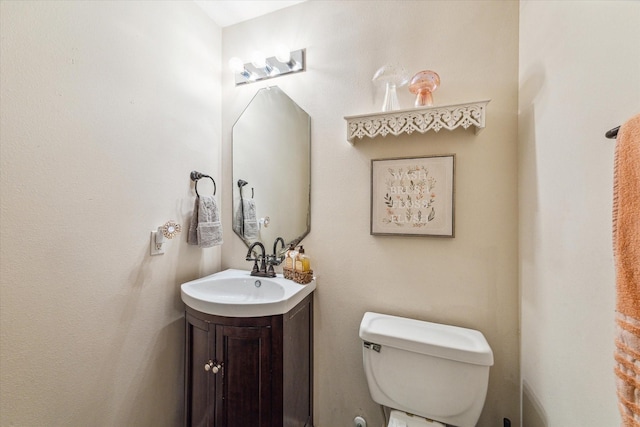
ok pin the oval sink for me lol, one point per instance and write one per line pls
(235, 293)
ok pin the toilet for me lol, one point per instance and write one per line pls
(426, 373)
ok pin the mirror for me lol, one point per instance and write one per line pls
(271, 149)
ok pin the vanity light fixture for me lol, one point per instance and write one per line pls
(262, 68)
(283, 54)
(259, 61)
(237, 66)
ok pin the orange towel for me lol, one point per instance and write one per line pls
(626, 249)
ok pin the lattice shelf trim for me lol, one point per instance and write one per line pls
(420, 120)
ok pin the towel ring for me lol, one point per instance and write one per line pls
(195, 176)
(242, 183)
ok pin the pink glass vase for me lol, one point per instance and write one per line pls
(422, 85)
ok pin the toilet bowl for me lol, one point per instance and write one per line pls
(429, 370)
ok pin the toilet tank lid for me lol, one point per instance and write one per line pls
(434, 339)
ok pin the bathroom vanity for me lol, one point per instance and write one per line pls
(250, 371)
(249, 339)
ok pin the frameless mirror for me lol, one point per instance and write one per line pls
(271, 149)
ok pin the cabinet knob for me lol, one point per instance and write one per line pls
(213, 367)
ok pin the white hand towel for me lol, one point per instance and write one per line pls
(249, 220)
(205, 229)
(209, 226)
(192, 235)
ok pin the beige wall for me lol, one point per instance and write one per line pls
(579, 77)
(105, 109)
(470, 280)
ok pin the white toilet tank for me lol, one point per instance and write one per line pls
(436, 371)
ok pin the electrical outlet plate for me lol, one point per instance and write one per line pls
(155, 248)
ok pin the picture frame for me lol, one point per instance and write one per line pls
(413, 196)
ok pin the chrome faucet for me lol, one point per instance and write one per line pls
(262, 270)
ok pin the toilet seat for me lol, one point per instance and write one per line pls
(402, 419)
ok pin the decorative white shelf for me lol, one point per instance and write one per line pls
(420, 120)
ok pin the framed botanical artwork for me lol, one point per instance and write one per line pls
(413, 196)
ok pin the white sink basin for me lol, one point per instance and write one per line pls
(235, 293)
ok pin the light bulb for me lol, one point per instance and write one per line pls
(283, 54)
(258, 59)
(236, 65)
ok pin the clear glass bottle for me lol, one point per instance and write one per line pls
(303, 264)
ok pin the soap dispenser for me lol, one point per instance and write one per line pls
(290, 257)
(303, 263)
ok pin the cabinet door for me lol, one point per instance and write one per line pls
(245, 399)
(200, 386)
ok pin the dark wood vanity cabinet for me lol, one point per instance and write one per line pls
(250, 371)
